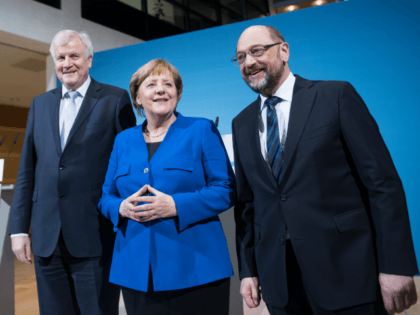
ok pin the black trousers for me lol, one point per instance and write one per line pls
(207, 299)
(301, 303)
(69, 285)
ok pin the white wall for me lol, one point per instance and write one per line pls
(41, 22)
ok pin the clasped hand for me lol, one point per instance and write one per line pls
(158, 206)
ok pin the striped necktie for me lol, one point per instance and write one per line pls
(274, 146)
(70, 113)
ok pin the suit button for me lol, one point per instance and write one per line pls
(146, 170)
(62, 167)
(62, 197)
(283, 197)
(282, 241)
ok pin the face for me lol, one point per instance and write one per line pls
(158, 94)
(266, 73)
(71, 64)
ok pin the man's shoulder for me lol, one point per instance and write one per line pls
(322, 84)
(109, 89)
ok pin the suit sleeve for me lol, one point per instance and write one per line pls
(219, 194)
(124, 117)
(109, 204)
(20, 216)
(244, 218)
(378, 174)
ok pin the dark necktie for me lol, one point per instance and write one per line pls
(274, 147)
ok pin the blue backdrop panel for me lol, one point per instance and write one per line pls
(373, 44)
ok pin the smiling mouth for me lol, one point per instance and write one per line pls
(254, 72)
(70, 72)
(160, 100)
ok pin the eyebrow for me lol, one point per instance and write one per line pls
(253, 46)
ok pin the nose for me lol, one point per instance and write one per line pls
(249, 60)
(67, 62)
(159, 88)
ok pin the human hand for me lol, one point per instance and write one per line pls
(398, 292)
(158, 206)
(21, 247)
(127, 207)
(250, 291)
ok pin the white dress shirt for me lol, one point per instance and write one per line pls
(79, 100)
(285, 92)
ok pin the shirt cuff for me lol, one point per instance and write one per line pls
(18, 234)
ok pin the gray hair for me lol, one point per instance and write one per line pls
(63, 37)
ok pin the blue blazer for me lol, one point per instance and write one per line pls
(192, 166)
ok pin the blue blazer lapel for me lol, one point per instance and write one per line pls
(89, 103)
(302, 102)
(54, 117)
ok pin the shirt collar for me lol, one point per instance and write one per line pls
(285, 91)
(82, 89)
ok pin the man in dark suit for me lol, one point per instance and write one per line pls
(322, 222)
(68, 141)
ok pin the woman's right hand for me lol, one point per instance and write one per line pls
(128, 205)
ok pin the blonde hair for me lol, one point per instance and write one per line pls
(153, 67)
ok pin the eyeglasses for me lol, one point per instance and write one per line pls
(256, 51)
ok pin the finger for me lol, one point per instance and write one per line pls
(148, 199)
(399, 304)
(255, 295)
(413, 296)
(145, 207)
(140, 192)
(149, 218)
(28, 252)
(154, 191)
(22, 257)
(407, 300)
(249, 302)
(389, 307)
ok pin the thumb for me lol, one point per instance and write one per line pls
(254, 295)
(28, 250)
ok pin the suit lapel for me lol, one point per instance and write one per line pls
(54, 117)
(89, 102)
(302, 102)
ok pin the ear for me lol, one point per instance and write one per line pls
(284, 52)
(90, 61)
(138, 99)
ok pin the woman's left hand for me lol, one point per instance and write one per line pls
(158, 206)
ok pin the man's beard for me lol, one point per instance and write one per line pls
(266, 85)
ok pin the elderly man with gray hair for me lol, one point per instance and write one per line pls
(68, 140)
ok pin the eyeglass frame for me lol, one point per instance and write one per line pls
(265, 48)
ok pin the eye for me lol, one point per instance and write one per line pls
(168, 84)
(240, 57)
(257, 51)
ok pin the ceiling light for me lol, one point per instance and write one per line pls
(291, 8)
(319, 2)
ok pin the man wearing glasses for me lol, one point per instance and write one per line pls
(321, 219)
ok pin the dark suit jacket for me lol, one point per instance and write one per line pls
(339, 196)
(60, 190)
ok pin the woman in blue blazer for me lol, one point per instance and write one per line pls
(166, 183)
